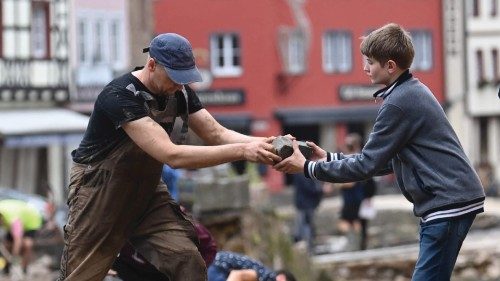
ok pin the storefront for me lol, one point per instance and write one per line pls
(35, 146)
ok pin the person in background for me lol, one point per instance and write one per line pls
(22, 221)
(367, 211)
(307, 197)
(230, 266)
(171, 177)
(353, 195)
(487, 177)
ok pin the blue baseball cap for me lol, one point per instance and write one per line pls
(175, 53)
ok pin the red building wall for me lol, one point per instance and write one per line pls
(257, 22)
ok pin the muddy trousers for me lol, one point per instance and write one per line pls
(104, 213)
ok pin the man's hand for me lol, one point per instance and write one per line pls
(293, 164)
(261, 151)
(317, 152)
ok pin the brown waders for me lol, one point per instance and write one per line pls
(118, 199)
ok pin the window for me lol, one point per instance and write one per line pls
(494, 58)
(82, 39)
(292, 50)
(480, 69)
(296, 54)
(225, 55)
(98, 42)
(483, 138)
(1, 30)
(422, 42)
(475, 8)
(40, 30)
(17, 17)
(115, 41)
(100, 39)
(337, 51)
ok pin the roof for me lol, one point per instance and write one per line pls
(296, 116)
(39, 127)
(234, 121)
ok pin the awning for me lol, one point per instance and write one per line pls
(41, 127)
(315, 115)
(234, 121)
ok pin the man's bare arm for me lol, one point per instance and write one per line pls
(208, 129)
(153, 139)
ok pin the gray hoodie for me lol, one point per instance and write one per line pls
(412, 138)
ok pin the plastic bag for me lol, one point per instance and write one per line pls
(366, 210)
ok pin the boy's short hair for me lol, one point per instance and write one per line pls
(390, 42)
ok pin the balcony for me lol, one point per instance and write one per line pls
(24, 82)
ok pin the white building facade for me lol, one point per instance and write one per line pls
(35, 130)
(483, 79)
(99, 48)
(106, 40)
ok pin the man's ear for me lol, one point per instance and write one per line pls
(151, 64)
(391, 66)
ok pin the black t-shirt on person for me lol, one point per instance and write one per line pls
(116, 105)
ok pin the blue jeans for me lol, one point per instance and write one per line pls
(440, 243)
(215, 273)
(304, 227)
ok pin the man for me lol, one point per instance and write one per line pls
(21, 221)
(115, 193)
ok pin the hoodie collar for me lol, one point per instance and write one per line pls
(384, 92)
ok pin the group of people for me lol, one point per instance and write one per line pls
(116, 196)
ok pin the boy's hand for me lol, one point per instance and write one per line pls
(293, 164)
(317, 152)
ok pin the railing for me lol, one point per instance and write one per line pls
(34, 81)
(33, 73)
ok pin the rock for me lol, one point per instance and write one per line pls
(231, 193)
(469, 273)
(284, 147)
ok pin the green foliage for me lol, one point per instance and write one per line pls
(268, 239)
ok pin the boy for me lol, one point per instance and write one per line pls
(412, 138)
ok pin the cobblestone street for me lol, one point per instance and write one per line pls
(38, 271)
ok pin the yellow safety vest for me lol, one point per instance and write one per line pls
(12, 210)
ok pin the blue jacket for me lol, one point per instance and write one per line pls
(308, 192)
(412, 138)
